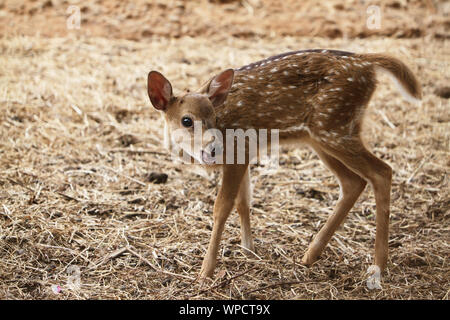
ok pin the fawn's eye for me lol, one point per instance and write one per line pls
(186, 122)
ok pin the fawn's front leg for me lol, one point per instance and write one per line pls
(231, 181)
(243, 208)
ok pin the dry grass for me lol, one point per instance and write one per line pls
(78, 143)
(143, 19)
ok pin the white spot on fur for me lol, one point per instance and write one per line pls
(275, 69)
(300, 127)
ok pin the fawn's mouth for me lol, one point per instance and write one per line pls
(208, 158)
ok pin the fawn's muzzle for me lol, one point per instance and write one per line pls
(208, 158)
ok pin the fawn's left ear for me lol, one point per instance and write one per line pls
(159, 90)
(218, 88)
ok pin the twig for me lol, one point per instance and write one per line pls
(125, 176)
(275, 285)
(386, 119)
(20, 184)
(110, 256)
(157, 269)
(417, 170)
(34, 191)
(67, 197)
(138, 151)
(222, 283)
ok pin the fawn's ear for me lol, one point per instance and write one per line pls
(159, 90)
(218, 88)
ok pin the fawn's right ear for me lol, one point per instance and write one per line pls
(159, 90)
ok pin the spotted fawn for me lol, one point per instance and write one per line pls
(317, 97)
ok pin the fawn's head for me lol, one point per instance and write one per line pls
(186, 113)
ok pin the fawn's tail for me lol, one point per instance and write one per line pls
(402, 76)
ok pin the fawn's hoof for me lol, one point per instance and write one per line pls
(374, 279)
(204, 274)
(308, 259)
(203, 280)
(248, 249)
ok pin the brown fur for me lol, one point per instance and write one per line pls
(403, 74)
(313, 96)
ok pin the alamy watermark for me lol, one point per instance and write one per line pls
(73, 280)
(236, 146)
(74, 19)
(373, 17)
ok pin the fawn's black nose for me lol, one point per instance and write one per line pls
(213, 152)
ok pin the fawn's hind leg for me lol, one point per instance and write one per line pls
(351, 186)
(243, 208)
(357, 158)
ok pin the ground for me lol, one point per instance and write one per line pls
(80, 208)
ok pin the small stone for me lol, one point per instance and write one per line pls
(157, 177)
(443, 92)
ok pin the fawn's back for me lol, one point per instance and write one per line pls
(319, 92)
